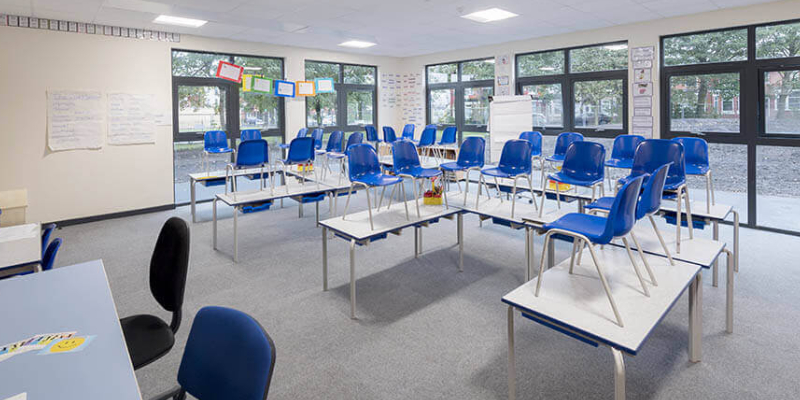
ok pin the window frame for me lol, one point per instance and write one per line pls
(342, 89)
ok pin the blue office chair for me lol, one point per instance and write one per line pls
(697, 164)
(592, 230)
(406, 165)
(214, 142)
(622, 153)
(354, 138)
(228, 355)
(535, 137)
(301, 152)
(515, 162)
(365, 170)
(334, 146)
(408, 132)
(448, 140)
(250, 134)
(251, 154)
(388, 134)
(47, 230)
(372, 134)
(427, 139)
(303, 132)
(470, 157)
(582, 166)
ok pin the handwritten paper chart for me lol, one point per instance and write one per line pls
(643, 90)
(390, 90)
(413, 97)
(75, 119)
(131, 119)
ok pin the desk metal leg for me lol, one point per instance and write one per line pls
(416, 241)
(735, 240)
(353, 279)
(193, 200)
(551, 254)
(324, 259)
(235, 234)
(214, 224)
(512, 363)
(299, 209)
(715, 272)
(460, 229)
(729, 293)
(696, 318)
(619, 375)
(316, 204)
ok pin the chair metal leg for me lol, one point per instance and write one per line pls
(689, 219)
(605, 286)
(711, 185)
(478, 195)
(369, 210)
(514, 197)
(575, 243)
(347, 203)
(466, 186)
(661, 239)
(444, 194)
(416, 198)
(644, 260)
(541, 263)
(391, 196)
(380, 201)
(708, 194)
(558, 194)
(497, 187)
(635, 266)
(530, 187)
(405, 199)
(678, 216)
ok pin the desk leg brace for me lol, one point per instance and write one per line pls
(324, 259)
(512, 364)
(696, 318)
(619, 374)
(353, 279)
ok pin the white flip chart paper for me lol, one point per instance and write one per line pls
(75, 119)
(131, 119)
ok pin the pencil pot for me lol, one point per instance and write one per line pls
(433, 197)
(305, 167)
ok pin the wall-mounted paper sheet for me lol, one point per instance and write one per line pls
(261, 85)
(324, 85)
(643, 89)
(306, 88)
(508, 116)
(131, 119)
(75, 119)
(284, 89)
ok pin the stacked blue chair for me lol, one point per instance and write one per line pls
(408, 132)
(449, 138)
(303, 132)
(535, 137)
(622, 153)
(697, 164)
(592, 230)
(251, 154)
(470, 157)
(427, 139)
(563, 141)
(355, 138)
(582, 166)
(317, 134)
(250, 134)
(515, 162)
(47, 230)
(334, 146)
(49, 256)
(228, 355)
(364, 169)
(301, 152)
(214, 142)
(406, 165)
(388, 135)
(372, 135)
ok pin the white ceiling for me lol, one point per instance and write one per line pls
(401, 28)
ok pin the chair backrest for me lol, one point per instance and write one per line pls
(622, 215)
(335, 142)
(362, 159)
(695, 150)
(516, 157)
(625, 146)
(652, 192)
(388, 134)
(355, 138)
(449, 135)
(653, 153)
(301, 150)
(252, 153)
(303, 132)
(169, 264)
(49, 256)
(564, 140)
(317, 134)
(535, 137)
(408, 131)
(372, 133)
(47, 230)
(404, 154)
(584, 161)
(215, 139)
(250, 134)
(428, 136)
(228, 355)
(472, 152)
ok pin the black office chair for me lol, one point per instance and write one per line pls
(147, 336)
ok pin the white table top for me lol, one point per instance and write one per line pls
(69, 299)
(495, 208)
(425, 161)
(579, 303)
(700, 251)
(295, 188)
(220, 174)
(356, 225)
(20, 244)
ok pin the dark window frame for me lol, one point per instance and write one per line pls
(342, 89)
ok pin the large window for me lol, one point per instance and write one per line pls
(458, 94)
(739, 88)
(589, 83)
(353, 103)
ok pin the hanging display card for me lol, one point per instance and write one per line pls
(284, 88)
(261, 85)
(324, 85)
(230, 72)
(306, 88)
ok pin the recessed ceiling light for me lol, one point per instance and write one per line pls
(179, 21)
(358, 44)
(616, 47)
(490, 15)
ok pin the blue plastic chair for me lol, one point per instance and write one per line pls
(301, 152)
(406, 165)
(302, 132)
(515, 162)
(697, 163)
(354, 138)
(250, 134)
(591, 229)
(448, 140)
(49, 256)
(427, 139)
(388, 134)
(408, 132)
(535, 137)
(334, 146)
(470, 157)
(622, 152)
(214, 142)
(317, 134)
(582, 166)
(228, 355)
(365, 170)
(251, 154)
(563, 141)
(47, 230)
(372, 134)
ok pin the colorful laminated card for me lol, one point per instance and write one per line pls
(261, 85)
(306, 88)
(324, 85)
(284, 88)
(230, 72)
(247, 83)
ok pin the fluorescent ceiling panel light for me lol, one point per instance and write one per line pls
(358, 44)
(179, 21)
(490, 15)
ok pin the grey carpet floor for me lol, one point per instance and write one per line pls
(426, 331)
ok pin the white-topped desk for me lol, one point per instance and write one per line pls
(20, 244)
(75, 298)
(213, 178)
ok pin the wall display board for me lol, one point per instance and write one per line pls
(643, 90)
(508, 116)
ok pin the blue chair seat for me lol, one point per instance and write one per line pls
(496, 172)
(419, 172)
(536, 153)
(337, 156)
(626, 163)
(590, 226)
(219, 150)
(563, 178)
(696, 169)
(556, 158)
(667, 186)
(603, 203)
(378, 179)
(452, 166)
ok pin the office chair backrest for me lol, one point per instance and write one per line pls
(335, 142)
(388, 134)
(215, 139)
(301, 150)
(317, 134)
(622, 215)
(535, 138)
(254, 152)
(652, 192)
(169, 265)
(405, 156)
(516, 157)
(472, 152)
(372, 133)
(49, 256)
(653, 153)
(428, 136)
(564, 140)
(624, 146)
(408, 131)
(250, 134)
(303, 132)
(584, 161)
(228, 355)
(362, 160)
(695, 150)
(47, 230)
(355, 138)
(449, 135)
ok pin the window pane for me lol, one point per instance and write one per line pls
(476, 105)
(704, 103)
(266, 67)
(778, 41)
(321, 110)
(706, 48)
(442, 106)
(550, 63)
(201, 108)
(443, 73)
(477, 70)
(608, 57)
(547, 104)
(202, 65)
(322, 70)
(359, 107)
(777, 199)
(782, 101)
(257, 110)
(359, 75)
(598, 104)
